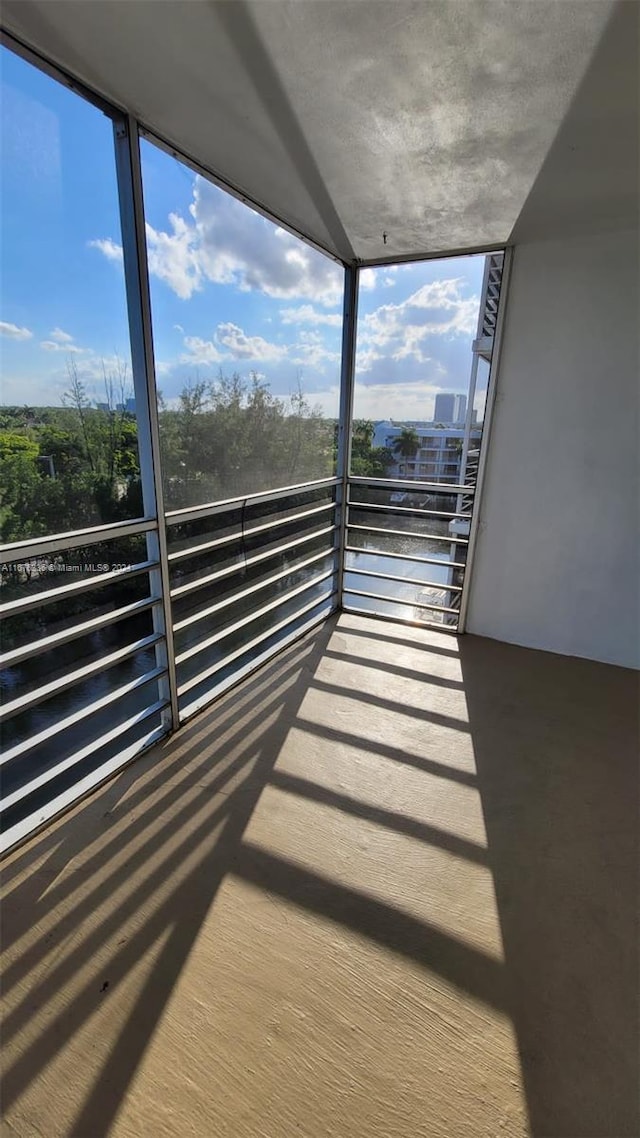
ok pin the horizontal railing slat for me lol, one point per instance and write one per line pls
(375, 552)
(254, 615)
(261, 657)
(207, 509)
(73, 794)
(400, 601)
(407, 533)
(243, 649)
(93, 708)
(414, 622)
(84, 753)
(47, 643)
(246, 562)
(50, 596)
(403, 580)
(243, 559)
(47, 691)
(34, 547)
(409, 485)
(407, 511)
(240, 535)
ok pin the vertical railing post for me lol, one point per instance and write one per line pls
(129, 175)
(347, 384)
(486, 435)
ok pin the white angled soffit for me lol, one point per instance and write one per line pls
(425, 121)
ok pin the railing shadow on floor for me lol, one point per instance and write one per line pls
(135, 869)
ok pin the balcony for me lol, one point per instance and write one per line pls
(319, 784)
(386, 884)
(99, 681)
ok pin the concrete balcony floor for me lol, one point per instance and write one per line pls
(384, 889)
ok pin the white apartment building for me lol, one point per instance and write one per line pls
(438, 458)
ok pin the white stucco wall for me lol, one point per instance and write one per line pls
(557, 560)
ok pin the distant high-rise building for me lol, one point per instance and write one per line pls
(450, 408)
(444, 411)
(460, 408)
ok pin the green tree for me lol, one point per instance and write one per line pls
(234, 436)
(106, 471)
(19, 481)
(367, 460)
(308, 440)
(407, 443)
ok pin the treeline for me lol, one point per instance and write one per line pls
(70, 467)
(234, 437)
(76, 466)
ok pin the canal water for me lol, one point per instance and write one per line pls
(427, 578)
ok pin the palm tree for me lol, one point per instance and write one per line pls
(407, 443)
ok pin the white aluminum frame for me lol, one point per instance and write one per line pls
(345, 414)
(136, 271)
(486, 434)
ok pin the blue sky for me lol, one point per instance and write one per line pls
(230, 290)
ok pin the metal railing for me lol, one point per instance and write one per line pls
(246, 576)
(401, 559)
(84, 674)
(81, 693)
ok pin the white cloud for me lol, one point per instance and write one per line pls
(311, 351)
(238, 345)
(226, 242)
(42, 391)
(173, 257)
(243, 347)
(307, 314)
(47, 388)
(370, 278)
(179, 328)
(399, 331)
(445, 296)
(13, 332)
(231, 343)
(200, 351)
(93, 368)
(111, 250)
(61, 342)
(411, 400)
(55, 346)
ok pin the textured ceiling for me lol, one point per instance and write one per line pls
(432, 123)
